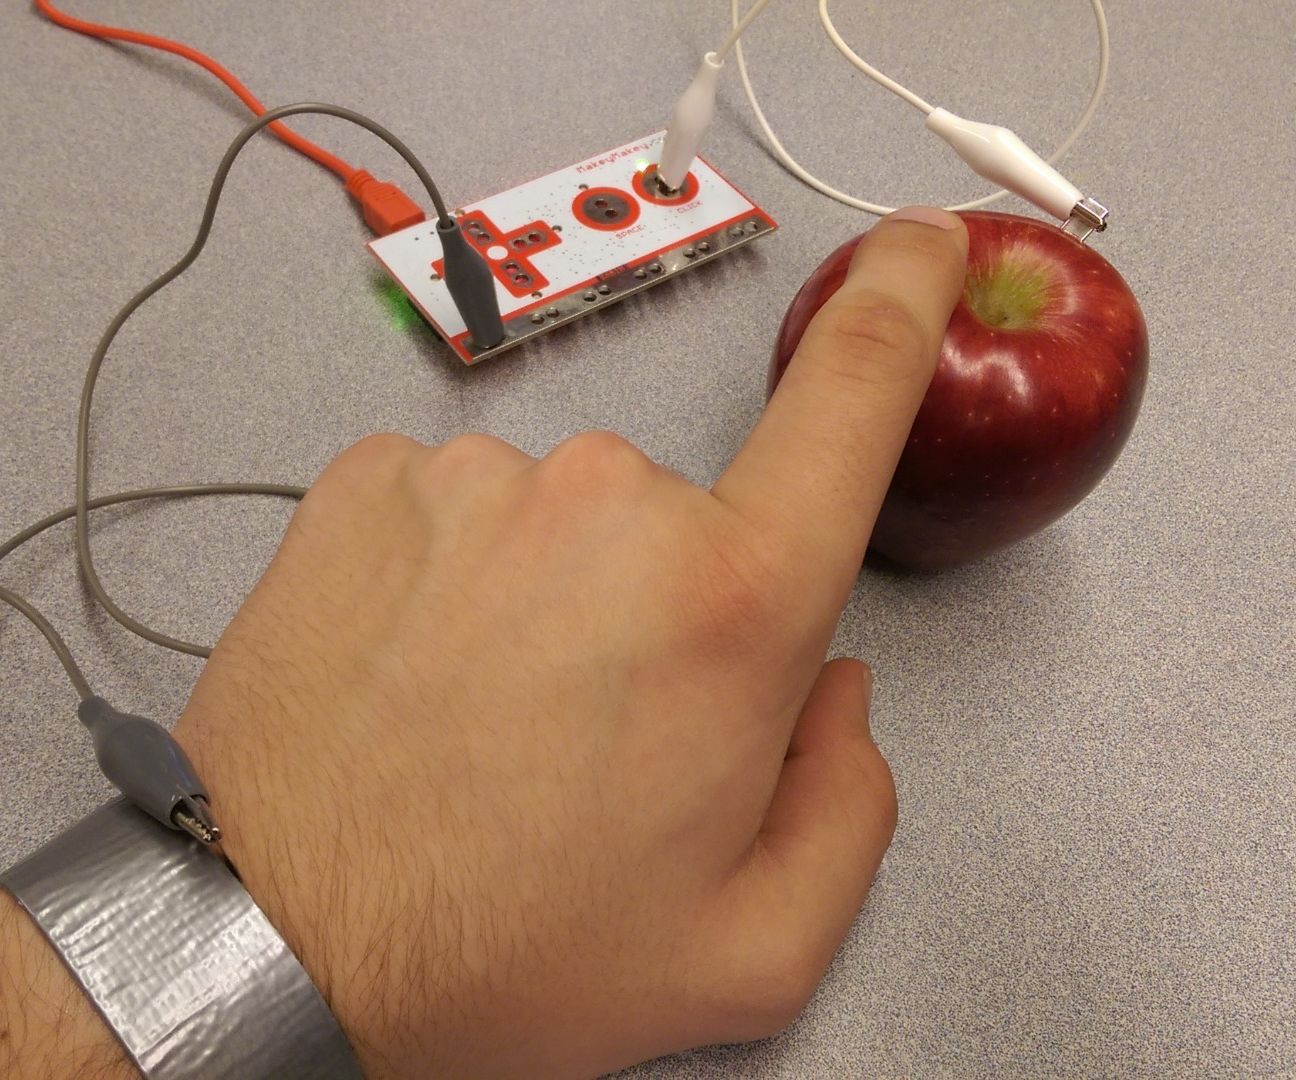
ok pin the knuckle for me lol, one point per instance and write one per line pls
(468, 451)
(444, 468)
(594, 447)
(602, 462)
(365, 465)
(870, 335)
(382, 447)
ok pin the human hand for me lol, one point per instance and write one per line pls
(536, 764)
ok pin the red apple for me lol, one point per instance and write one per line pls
(1039, 381)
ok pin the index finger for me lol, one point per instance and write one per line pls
(818, 463)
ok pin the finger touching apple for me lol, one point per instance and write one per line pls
(1038, 384)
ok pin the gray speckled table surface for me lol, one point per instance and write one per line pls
(1092, 734)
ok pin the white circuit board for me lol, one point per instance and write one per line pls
(576, 240)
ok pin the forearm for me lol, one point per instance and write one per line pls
(48, 1028)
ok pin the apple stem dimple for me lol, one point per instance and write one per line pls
(1011, 295)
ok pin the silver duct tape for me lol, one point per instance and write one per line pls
(176, 956)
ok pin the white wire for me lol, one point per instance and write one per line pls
(740, 27)
(790, 163)
(868, 69)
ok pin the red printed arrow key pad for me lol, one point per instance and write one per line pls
(507, 254)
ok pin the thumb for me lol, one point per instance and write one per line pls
(830, 822)
(834, 809)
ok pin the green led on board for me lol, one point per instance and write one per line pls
(399, 310)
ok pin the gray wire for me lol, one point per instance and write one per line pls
(52, 636)
(176, 492)
(83, 501)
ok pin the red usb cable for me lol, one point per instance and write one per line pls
(386, 208)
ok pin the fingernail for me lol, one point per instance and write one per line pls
(925, 215)
(866, 674)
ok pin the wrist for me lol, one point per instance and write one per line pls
(285, 860)
(48, 1027)
(173, 952)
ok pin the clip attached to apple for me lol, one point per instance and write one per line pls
(1088, 216)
